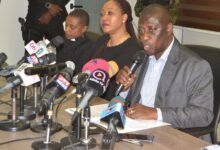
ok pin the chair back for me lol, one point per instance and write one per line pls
(212, 55)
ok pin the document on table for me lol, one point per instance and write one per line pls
(131, 125)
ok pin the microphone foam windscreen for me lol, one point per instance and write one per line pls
(50, 57)
(3, 57)
(113, 68)
(115, 100)
(98, 80)
(57, 41)
(95, 64)
(115, 110)
(139, 56)
(70, 64)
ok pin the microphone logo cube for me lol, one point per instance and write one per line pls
(63, 83)
(99, 80)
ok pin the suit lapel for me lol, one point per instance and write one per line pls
(168, 73)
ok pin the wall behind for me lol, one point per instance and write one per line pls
(11, 42)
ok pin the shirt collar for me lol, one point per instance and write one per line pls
(166, 53)
(73, 40)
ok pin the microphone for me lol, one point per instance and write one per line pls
(44, 48)
(115, 110)
(3, 58)
(96, 85)
(111, 67)
(96, 63)
(55, 43)
(114, 115)
(55, 88)
(8, 70)
(47, 59)
(20, 78)
(43, 60)
(41, 48)
(137, 60)
(89, 67)
(31, 47)
(49, 69)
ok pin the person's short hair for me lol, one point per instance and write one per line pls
(82, 15)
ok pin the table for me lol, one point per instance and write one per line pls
(166, 137)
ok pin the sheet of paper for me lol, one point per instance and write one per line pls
(131, 125)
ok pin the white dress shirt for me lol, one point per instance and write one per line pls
(151, 80)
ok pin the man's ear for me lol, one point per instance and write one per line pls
(170, 28)
(85, 28)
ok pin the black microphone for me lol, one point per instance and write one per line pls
(114, 115)
(137, 60)
(55, 88)
(95, 86)
(80, 77)
(115, 110)
(3, 58)
(55, 43)
(47, 59)
(49, 69)
(43, 60)
(20, 78)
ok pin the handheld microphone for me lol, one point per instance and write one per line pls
(20, 78)
(115, 110)
(96, 85)
(137, 60)
(48, 69)
(3, 58)
(55, 88)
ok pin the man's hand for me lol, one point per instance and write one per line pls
(54, 9)
(45, 18)
(138, 111)
(125, 77)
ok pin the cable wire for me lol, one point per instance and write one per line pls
(17, 140)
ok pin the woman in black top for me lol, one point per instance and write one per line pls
(119, 42)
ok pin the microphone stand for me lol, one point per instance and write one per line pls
(47, 144)
(41, 126)
(14, 124)
(75, 127)
(86, 142)
(111, 136)
(24, 113)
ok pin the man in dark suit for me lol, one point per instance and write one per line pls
(173, 84)
(44, 19)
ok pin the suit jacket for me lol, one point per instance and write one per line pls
(185, 90)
